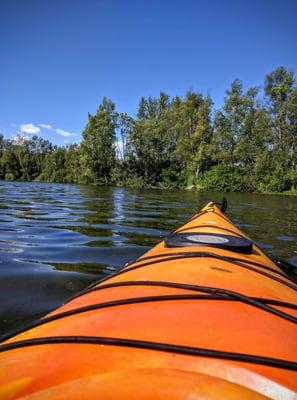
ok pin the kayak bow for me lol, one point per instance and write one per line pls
(205, 314)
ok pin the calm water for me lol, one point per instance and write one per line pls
(57, 239)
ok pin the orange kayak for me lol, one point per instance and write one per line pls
(203, 315)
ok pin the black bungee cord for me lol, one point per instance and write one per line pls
(157, 346)
(145, 299)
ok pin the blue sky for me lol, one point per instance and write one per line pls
(59, 58)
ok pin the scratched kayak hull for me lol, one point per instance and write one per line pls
(203, 315)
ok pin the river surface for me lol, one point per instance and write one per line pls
(56, 239)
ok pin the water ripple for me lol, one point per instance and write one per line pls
(56, 239)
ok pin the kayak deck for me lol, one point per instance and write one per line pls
(204, 315)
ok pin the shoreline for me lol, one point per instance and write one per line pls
(148, 187)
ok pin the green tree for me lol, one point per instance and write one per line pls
(278, 89)
(150, 144)
(192, 129)
(9, 163)
(250, 143)
(228, 123)
(30, 153)
(280, 93)
(201, 141)
(54, 166)
(73, 167)
(142, 109)
(98, 145)
(242, 135)
(1, 153)
(125, 126)
(292, 117)
(38, 149)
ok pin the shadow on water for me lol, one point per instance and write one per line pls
(57, 239)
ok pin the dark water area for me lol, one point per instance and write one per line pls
(57, 239)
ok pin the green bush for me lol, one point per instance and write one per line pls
(171, 179)
(292, 177)
(276, 180)
(9, 176)
(224, 178)
(134, 181)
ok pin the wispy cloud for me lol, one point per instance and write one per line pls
(64, 133)
(46, 126)
(30, 128)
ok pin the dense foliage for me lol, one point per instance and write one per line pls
(250, 144)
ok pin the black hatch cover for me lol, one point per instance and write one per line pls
(227, 242)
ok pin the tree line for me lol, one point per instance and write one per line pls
(249, 144)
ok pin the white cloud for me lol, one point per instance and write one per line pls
(30, 128)
(65, 133)
(45, 126)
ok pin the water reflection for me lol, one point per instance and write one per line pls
(56, 239)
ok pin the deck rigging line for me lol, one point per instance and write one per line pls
(212, 255)
(183, 286)
(136, 300)
(148, 345)
(177, 256)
